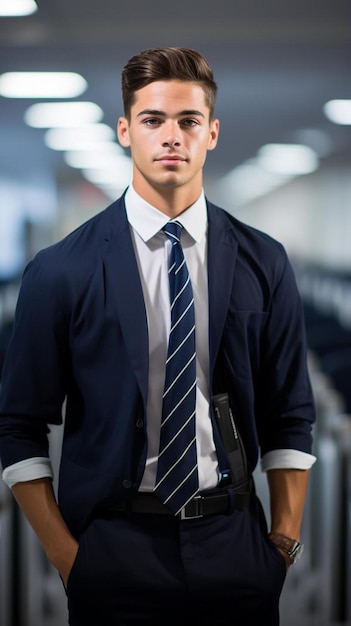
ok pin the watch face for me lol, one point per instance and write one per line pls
(296, 551)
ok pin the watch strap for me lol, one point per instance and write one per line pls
(292, 547)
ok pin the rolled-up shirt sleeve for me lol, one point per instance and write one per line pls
(29, 469)
(287, 459)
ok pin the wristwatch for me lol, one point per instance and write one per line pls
(292, 547)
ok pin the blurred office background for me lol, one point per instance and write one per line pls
(283, 164)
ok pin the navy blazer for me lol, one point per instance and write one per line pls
(81, 334)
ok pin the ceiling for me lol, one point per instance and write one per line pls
(276, 63)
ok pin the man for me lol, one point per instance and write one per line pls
(92, 326)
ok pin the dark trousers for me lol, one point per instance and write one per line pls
(159, 570)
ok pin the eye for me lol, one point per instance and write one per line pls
(189, 122)
(151, 121)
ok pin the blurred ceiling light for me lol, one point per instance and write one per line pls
(16, 8)
(94, 159)
(103, 147)
(62, 114)
(120, 175)
(287, 159)
(338, 111)
(78, 138)
(42, 85)
(249, 181)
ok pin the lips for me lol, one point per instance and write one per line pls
(170, 157)
(170, 160)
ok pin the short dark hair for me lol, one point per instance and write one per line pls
(156, 64)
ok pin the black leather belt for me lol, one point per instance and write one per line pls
(199, 506)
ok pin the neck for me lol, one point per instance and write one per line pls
(170, 201)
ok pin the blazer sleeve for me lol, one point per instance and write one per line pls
(33, 385)
(284, 401)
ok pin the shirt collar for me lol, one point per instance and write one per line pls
(147, 220)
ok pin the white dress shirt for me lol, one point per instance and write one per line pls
(152, 250)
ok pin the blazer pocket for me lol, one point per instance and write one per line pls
(246, 318)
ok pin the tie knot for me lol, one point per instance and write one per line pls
(173, 230)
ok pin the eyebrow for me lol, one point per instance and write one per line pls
(163, 114)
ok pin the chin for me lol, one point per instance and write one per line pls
(169, 184)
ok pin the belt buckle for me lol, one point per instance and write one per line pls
(195, 502)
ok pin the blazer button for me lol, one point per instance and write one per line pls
(139, 423)
(127, 483)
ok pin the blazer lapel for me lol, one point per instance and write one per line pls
(123, 286)
(222, 253)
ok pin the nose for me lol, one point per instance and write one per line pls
(171, 137)
(171, 143)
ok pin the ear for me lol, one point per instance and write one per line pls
(214, 131)
(123, 132)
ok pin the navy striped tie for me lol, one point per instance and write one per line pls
(177, 476)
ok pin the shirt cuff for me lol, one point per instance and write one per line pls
(29, 469)
(287, 459)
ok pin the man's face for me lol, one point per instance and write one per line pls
(169, 133)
